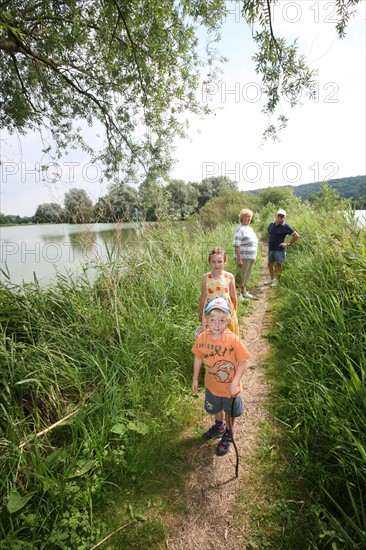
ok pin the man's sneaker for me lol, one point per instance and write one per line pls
(214, 432)
(223, 446)
(269, 282)
(248, 295)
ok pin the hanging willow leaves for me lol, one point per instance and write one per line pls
(131, 71)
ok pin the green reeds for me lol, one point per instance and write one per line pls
(94, 380)
(321, 338)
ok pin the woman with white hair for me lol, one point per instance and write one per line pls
(245, 252)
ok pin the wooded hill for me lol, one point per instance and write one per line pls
(353, 188)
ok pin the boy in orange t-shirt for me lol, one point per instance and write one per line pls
(223, 355)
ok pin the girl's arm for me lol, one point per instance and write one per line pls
(234, 386)
(203, 296)
(232, 290)
(196, 371)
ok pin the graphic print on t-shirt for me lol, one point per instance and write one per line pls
(223, 371)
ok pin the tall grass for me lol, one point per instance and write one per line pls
(321, 340)
(112, 362)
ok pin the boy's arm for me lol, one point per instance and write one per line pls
(197, 363)
(234, 386)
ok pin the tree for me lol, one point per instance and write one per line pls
(278, 196)
(4, 220)
(78, 206)
(183, 198)
(154, 200)
(284, 73)
(213, 187)
(131, 68)
(103, 211)
(226, 207)
(49, 213)
(327, 199)
(120, 204)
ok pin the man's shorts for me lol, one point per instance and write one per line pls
(214, 404)
(277, 256)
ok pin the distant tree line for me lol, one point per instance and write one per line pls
(123, 203)
(353, 189)
(178, 200)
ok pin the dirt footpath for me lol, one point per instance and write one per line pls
(212, 488)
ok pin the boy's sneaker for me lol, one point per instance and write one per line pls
(214, 432)
(275, 282)
(248, 295)
(269, 282)
(223, 446)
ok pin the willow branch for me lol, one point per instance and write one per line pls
(132, 46)
(269, 17)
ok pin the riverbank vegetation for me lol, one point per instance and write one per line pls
(177, 200)
(320, 367)
(309, 474)
(112, 362)
(97, 416)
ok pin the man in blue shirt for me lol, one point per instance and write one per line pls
(276, 234)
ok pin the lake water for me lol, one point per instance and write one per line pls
(45, 250)
(360, 215)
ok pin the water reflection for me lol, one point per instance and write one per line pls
(45, 250)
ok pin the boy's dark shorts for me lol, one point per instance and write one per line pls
(214, 404)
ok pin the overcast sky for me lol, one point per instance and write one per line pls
(325, 139)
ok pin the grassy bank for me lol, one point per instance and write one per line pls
(95, 392)
(95, 399)
(319, 369)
